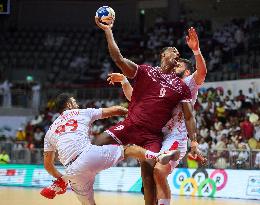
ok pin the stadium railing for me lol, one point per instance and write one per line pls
(217, 158)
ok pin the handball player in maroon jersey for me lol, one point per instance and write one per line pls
(156, 91)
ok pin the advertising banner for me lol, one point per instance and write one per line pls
(244, 184)
(216, 183)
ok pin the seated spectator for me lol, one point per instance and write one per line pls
(4, 157)
(230, 95)
(243, 157)
(221, 112)
(20, 135)
(252, 143)
(217, 124)
(221, 163)
(229, 104)
(213, 133)
(203, 146)
(232, 148)
(241, 97)
(250, 98)
(247, 129)
(238, 104)
(204, 132)
(221, 145)
(38, 138)
(242, 143)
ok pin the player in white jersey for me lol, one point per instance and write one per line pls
(175, 132)
(69, 136)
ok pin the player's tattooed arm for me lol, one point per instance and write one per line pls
(128, 67)
(113, 111)
(49, 157)
(201, 69)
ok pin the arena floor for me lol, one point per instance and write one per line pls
(26, 196)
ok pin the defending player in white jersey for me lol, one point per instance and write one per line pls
(69, 136)
(175, 132)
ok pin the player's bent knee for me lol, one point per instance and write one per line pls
(128, 150)
(103, 139)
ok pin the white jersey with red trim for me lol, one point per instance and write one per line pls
(69, 134)
(176, 125)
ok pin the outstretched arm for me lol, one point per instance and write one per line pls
(120, 78)
(128, 67)
(201, 69)
(113, 111)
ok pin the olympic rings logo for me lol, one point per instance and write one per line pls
(200, 182)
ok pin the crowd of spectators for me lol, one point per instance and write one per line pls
(228, 127)
(227, 49)
(79, 56)
(228, 122)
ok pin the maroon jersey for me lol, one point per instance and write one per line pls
(154, 96)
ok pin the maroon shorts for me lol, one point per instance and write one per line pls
(126, 132)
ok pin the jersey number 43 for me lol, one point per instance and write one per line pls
(71, 126)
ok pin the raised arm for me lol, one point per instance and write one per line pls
(120, 78)
(128, 67)
(113, 111)
(201, 69)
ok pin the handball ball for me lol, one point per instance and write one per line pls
(106, 14)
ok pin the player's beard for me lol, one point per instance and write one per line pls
(181, 74)
(174, 61)
(174, 64)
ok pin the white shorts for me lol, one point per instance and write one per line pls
(81, 173)
(175, 142)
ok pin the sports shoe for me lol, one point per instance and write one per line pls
(58, 187)
(166, 157)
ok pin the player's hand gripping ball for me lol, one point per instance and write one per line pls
(106, 15)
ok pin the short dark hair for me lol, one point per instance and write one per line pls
(163, 49)
(61, 101)
(188, 64)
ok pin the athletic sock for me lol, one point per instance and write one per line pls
(164, 201)
(150, 155)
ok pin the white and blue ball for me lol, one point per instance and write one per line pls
(106, 14)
